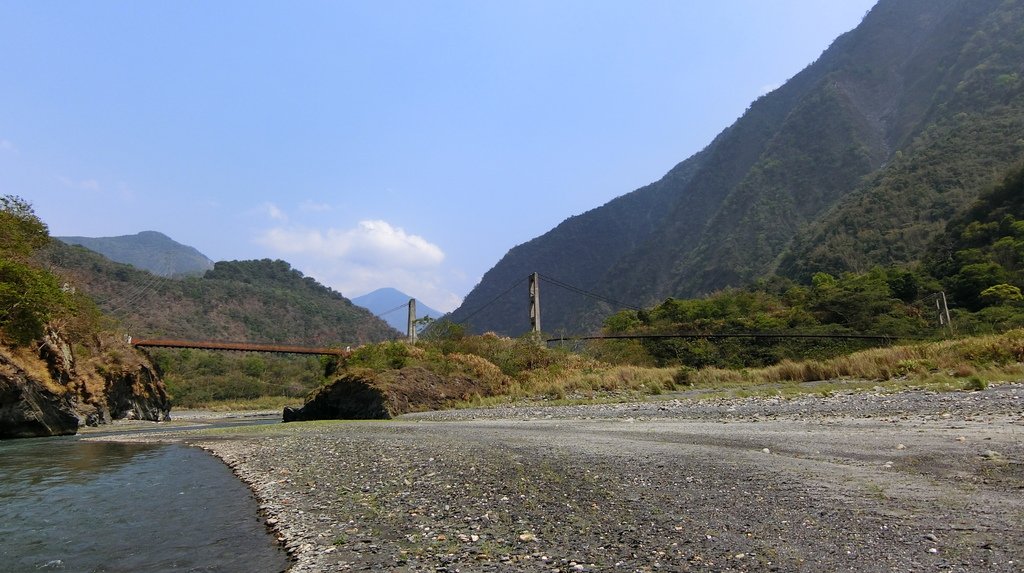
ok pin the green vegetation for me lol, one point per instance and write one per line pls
(31, 297)
(890, 302)
(220, 380)
(978, 262)
(553, 376)
(500, 369)
(970, 135)
(254, 301)
(980, 259)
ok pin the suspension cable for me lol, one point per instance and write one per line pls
(587, 293)
(492, 301)
(397, 308)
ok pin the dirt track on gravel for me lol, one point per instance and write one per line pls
(862, 482)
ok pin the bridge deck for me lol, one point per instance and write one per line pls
(239, 346)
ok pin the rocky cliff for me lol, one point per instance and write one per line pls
(52, 388)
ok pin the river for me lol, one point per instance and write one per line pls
(72, 505)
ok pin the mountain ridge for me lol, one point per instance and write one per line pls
(883, 100)
(151, 251)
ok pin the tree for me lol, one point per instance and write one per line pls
(29, 296)
(21, 231)
(1000, 294)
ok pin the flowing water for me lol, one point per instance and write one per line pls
(73, 505)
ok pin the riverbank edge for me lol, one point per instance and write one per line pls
(271, 519)
(230, 449)
(180, 430)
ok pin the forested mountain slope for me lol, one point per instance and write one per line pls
(246, 301)
(858, 160)
(150, 251)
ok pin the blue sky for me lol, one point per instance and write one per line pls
(407, 144)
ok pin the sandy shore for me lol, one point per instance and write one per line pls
(862, 482)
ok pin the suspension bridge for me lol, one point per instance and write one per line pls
(534, 281)
(239, 346)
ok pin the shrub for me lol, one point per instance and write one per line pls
(975, 383)
(684, 376)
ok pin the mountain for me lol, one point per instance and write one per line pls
(858, 160)
(243, 301)
(387, 300)
(148, 250)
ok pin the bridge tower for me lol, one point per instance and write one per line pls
(412, 321)
(535, 303)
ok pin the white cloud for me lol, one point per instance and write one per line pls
(374, 243)
(6, 145)
(356, 280)
(368, 256)
(274, 212)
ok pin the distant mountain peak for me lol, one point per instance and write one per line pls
(152, 251)
(387, 299)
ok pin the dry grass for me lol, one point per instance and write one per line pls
(34, 367)
(953, 365)
(962, 358)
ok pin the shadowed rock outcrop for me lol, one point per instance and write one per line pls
(48, 391)
(369, 395)
(29, 408)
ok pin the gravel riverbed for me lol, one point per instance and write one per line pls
(909, 481)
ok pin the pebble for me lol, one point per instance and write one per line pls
(991, 455)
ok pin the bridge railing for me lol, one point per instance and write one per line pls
(240, 346)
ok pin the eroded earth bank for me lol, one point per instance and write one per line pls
(867, 482)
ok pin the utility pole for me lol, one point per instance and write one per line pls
(943, 309)
(535, 303)
(412, 320)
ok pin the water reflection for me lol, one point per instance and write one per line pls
(39, 462)
(71, 505)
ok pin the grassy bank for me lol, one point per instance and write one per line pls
(518, 370)
(952, 365)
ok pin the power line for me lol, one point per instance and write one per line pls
(135, 294)
(587, 293)
(692, 335)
